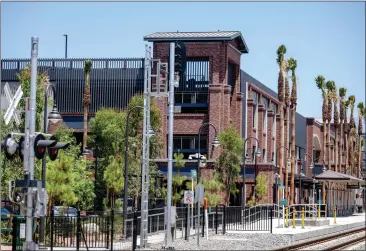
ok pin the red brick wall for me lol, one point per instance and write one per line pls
(221, 111)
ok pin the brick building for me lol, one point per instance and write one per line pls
(213, 89)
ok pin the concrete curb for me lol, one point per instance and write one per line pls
(324, 231)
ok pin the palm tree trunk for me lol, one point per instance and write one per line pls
(324, 153)
(287, 138)
(341, 146)
(336, 149)
(293, 116)
(85, 126)
(347, 150)
(329, 151)
(280, 156)
(359, 155)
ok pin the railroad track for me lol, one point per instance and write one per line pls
(321, 240)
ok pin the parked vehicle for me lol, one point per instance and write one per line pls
(65, 211)
(5, 214)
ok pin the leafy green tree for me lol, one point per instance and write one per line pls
(68, 179)
(108, 129)
(213, 190)
(113, 176)
(260, 190)
(178, 180)
(228, 163)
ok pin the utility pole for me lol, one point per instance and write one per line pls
(32, 126)
(170, 144)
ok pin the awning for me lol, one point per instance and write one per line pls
(336, 176)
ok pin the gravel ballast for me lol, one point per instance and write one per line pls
(230, 241)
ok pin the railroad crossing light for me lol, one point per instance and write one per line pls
(53, 150)
(40, 145)
(10, 146)
(180, 57)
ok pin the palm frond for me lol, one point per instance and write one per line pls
(342, 92)
(87, 66)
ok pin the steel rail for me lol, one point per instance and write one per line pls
(346, 244)
(320, 240)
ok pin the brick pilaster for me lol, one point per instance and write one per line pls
(269, 137)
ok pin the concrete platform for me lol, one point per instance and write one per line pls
(342, 224)
(314, 223)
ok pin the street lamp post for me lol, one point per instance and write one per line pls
(258, 153)
(279, 175)
(311, 166)
(54, 116)
(215, 143)
(125, 197)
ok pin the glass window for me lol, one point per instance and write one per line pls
(202, 98)
(178, 97)
(187, 98)
(177, 143)
(187, 143)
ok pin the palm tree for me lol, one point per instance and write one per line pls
(342, 94)
(330, 88)
(346, 131)
(86, 99)
(292, 65)
(287, 125)
(280, 58)
(351, 142)
(361, 110)
(336, 124)
(320, 83)
(352, 137)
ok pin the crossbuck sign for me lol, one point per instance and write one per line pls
(13, 102)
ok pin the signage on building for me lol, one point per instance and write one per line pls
(353, 186)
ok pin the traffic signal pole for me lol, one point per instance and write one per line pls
(30, 245)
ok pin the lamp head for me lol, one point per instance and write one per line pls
(311, 166)
(215, 142)
(324, 169)
(86, 152)
(258, 153)
(151, 132)
(54, 115)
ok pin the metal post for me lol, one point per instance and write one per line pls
(170, 142)
(32, 126)
(65, 45)
(243, 200)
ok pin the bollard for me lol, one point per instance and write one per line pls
(286, 216)
(318, 211)
(294, 218)
(303, 217)
(335, 214)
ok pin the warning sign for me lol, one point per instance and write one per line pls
(188, 197)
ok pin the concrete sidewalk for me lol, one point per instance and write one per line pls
(342, 224)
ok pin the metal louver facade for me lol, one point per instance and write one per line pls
(113, 81)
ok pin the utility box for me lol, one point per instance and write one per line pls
(173, 215)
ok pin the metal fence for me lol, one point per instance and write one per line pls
(104, 230)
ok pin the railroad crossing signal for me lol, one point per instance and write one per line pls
(41, 145)
(13, 102)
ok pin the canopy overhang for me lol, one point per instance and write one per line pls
(340, 177)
